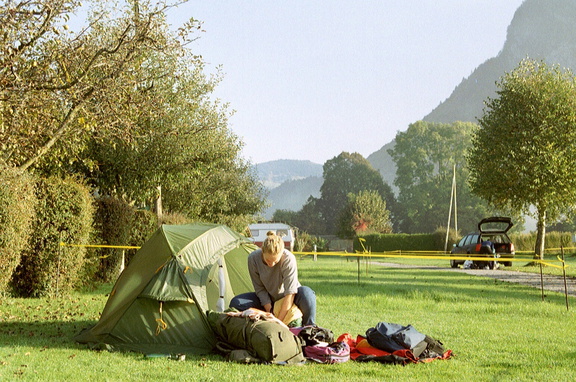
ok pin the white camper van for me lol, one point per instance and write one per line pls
(259, 231)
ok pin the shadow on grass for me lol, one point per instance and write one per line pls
(60, 335)
(52, 334)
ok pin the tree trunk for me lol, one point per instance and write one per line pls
(540, 236)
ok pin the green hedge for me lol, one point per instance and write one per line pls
(394, 242)
(407, 242)
(64, 214)
(174, 218)
(17, 211)
(435, 241)
(527, 241)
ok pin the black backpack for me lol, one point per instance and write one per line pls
(314, 335)
(392, 337)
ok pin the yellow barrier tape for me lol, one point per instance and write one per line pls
(552, 265)
(434, 256)
(550, 250)
(98, 246)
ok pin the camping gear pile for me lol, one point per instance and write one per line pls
(395, 344)
(250, 339)
(246, 337)
(170, 300)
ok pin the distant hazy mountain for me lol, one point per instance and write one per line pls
(382, 161)
(274, 173)
(542, 30)
(293, 194)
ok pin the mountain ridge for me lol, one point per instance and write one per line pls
(538, 30)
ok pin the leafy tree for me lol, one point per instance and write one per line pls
(286, 216)
(365, 213)
(523, 155)
(566, 222)
(309, 218)
(60, 88)
(425, 156)
(123, 101)
(189, 152)
(344, 174)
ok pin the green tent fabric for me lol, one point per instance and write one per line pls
(159, 302)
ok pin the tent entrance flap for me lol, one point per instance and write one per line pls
(167, 285)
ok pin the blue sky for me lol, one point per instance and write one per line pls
(310, 79)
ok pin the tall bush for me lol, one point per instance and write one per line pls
(305, 242)
(64, 214)
(17, 209)
(144, 224)
(174, 218)
(112, 223)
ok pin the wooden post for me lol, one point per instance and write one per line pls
(159, 205)
(358, 259)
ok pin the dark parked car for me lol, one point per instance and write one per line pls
(491, 240)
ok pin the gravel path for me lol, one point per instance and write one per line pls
(551, 283)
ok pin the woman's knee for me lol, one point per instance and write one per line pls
(306, 292)
(305, 296)
(244, 301)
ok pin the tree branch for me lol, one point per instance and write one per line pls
(63, 126)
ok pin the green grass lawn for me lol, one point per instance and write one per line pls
(497, 331)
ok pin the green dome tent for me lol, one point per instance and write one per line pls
(159, 302)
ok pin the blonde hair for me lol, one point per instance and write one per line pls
(273, 244)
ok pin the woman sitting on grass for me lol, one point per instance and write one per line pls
(274, 274)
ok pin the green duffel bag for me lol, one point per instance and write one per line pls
(265, 340)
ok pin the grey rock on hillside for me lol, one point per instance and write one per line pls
(541, 30)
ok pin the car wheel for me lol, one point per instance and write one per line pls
(453, 264)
